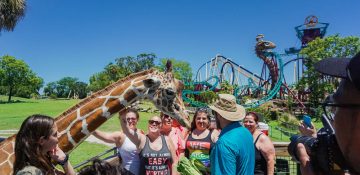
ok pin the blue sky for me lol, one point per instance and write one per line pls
(78, 38)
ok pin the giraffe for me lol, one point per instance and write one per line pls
(78, 122)
(262, 48)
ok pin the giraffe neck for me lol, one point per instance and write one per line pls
(76, 124)
(7, 155)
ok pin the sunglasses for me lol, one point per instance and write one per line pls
(166, 116)
(151, 122)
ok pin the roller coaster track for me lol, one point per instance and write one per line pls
(206, 83)
(223, 61)
(252, 84)
(274, 90)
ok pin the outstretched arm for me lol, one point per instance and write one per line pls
(134, 135)
(115, 137)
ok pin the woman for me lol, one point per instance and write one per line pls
(174, 133)
(157, 153)
(264, 149)
(201, 139)
(36, 145)
(127, 150)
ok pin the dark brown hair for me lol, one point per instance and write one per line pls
(133, 111)
(28, 151)
(255, 115)
(199, 110)
(101, 167)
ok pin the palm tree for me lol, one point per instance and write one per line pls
(11, 11)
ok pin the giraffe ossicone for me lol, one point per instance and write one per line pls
(77, 123)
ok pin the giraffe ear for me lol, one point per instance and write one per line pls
(168, 66)
(151, 82)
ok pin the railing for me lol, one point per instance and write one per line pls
(279, 133)
(99, 156)
(284, 163)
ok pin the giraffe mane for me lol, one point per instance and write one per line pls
(103, 91)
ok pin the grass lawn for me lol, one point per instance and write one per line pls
(279, 136)
(13, 114)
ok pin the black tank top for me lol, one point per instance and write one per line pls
(199, 148)
(155, 162)
(260, 162)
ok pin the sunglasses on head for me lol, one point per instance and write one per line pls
(202, 109)
(154, 122)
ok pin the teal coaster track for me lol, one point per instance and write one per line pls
(192, 92)
(274, 90)
(211, 87)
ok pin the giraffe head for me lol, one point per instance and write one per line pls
(165, 92)
(262, 45)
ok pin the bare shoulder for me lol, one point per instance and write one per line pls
(215, 132)
(215, 135)
(265, 142)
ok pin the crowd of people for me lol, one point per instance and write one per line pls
(231, 145)
(223, 147)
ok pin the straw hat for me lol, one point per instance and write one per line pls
(226, 106)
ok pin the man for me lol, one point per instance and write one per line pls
(234, 151)
(346, 101)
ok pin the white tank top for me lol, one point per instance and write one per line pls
(130, 156)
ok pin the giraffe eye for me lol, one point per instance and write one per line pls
(170, 92)
(177, 107)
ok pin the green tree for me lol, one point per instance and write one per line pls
(141, 62)
(122, 67)
(318, 49)
(32, 88)
(16, 76)
(99, 81)
(66, 87)
(181, 69)
(81, 89)
(11, 11)
(50, 89)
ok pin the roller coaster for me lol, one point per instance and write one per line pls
(270, 84)
(236, 77)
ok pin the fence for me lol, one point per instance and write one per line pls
(279, 133)
(284, 163)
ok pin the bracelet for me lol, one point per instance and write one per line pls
(62, 163)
